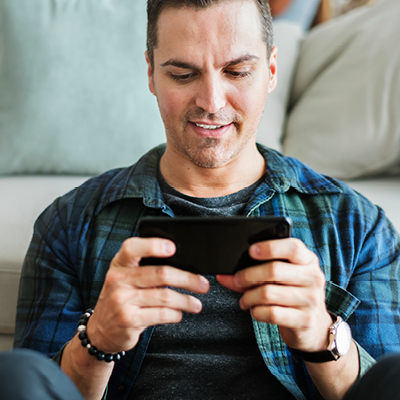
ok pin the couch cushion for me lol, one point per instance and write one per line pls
(346, 121)
(73, 86)
(22, 200)
(384, 192)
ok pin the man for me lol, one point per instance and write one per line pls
(211, 66)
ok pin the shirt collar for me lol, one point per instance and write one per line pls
(140, 180)
(283, 173)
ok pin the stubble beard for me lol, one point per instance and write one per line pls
(207, 152)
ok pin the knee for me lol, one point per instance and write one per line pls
(17, 364)
(387, 369)
(380, 382)
(21, 373)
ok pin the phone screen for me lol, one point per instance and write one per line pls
(212, 245)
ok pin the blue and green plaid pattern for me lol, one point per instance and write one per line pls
(75, 239)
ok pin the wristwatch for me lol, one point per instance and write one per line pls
(339, 343)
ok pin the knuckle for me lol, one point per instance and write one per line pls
(245, 275)
(255, 312)
(163, 315)
(266, 293)
(297, 247)
(166, 296)
(126, 247)
(166, 316)
(273, 315)
(320, 279)
(308, 320)
(313, 297)
(274, 269)
(163, 274)
(314, 259)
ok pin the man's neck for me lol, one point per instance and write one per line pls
(192, 180)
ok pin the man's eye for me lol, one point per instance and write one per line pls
(238, 74)
(182, 77)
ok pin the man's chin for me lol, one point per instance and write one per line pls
(210, 157)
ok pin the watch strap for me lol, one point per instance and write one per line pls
(319, 356)
(315, 357)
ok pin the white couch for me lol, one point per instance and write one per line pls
(74, 103)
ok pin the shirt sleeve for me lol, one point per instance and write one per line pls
(375, 281)
(49, 302)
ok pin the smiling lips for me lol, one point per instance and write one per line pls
(209, 127)
(210, 130)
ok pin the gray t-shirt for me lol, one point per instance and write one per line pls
(212, 355)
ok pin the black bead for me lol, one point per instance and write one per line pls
(100, 355)
(82, 322)
(92, 351)
(82, 335)
(108, 357)
(85, 342)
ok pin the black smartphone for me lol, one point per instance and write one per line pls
(212, 245)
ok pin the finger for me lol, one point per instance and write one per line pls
(282, 316)
(291, 249)
(144, 317)
(278, 272)
(134, 249)
(279, 295)
(228, 282)
(167, 298)
(161, 276)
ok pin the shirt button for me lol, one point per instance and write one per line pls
(120, 389)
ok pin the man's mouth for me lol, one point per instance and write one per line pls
(209, 127)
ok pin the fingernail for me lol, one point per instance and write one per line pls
(169, 248)
(255, 250)
(197, 305)
(204, 282)
(236, 281)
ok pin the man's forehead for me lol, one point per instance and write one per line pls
(230, 27)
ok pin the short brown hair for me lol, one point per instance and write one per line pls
(155, 7)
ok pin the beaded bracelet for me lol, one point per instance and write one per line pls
(92, 350)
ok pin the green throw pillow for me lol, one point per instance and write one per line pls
(73, 86)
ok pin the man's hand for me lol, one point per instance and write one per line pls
(134, 297)
(289, 293)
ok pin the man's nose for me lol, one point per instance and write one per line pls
(211, 96)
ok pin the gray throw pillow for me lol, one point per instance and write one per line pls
(345, 121)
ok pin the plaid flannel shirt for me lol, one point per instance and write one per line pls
(75, 239)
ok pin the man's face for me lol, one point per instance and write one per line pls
(211, 78)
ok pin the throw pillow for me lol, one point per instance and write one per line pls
(345, 120)
(73, 86)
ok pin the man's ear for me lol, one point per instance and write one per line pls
(273, 68)
(150, 74)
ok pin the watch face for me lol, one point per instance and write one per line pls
(343, 338)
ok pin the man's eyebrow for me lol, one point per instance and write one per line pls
(247, 57)
(179, 64)
(185, 65)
